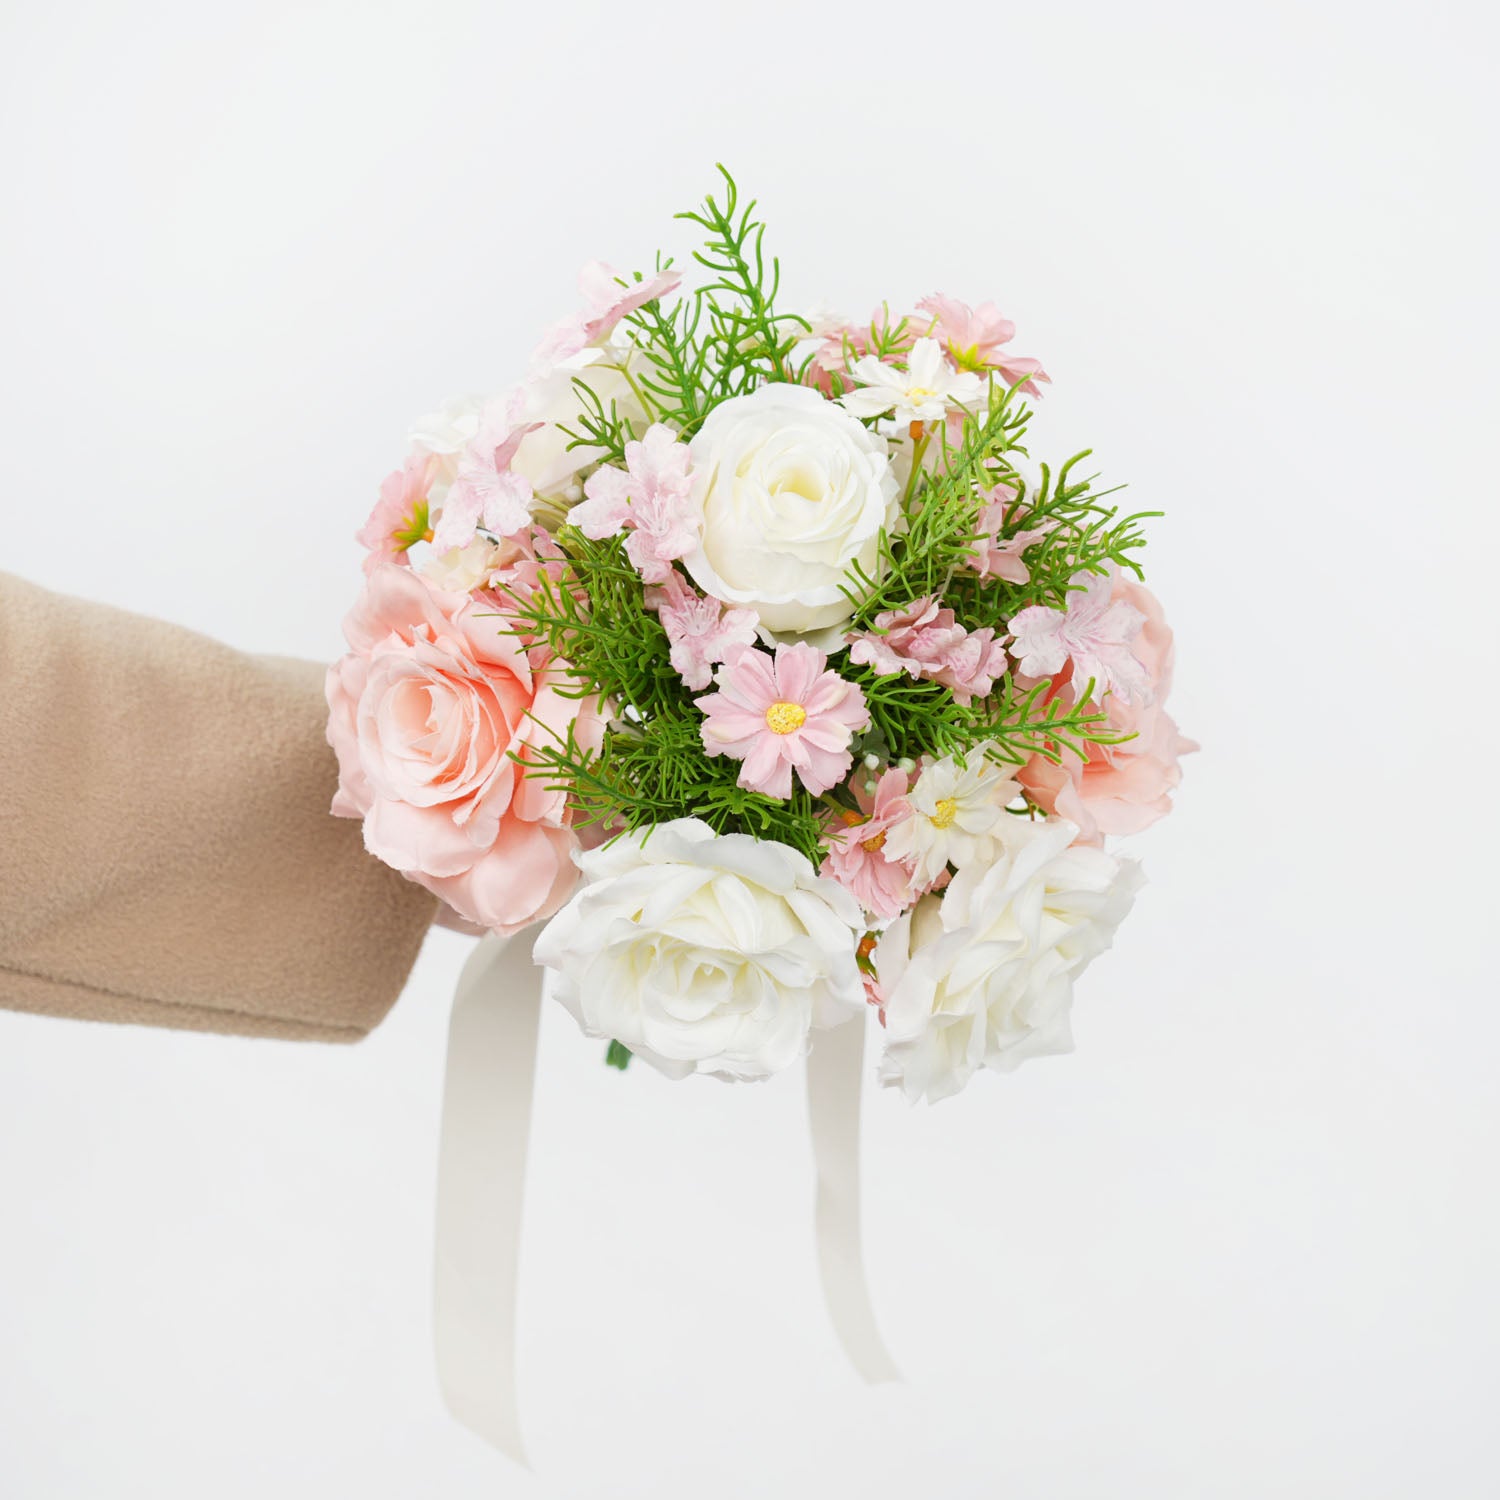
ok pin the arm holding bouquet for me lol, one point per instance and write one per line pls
(169, 858)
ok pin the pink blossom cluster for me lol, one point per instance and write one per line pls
(649, 500)
(926, 640)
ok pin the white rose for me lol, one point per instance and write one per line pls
(792, 491)
(983, 976)
(705, 952)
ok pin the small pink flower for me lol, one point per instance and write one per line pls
(783, 714)
(973, 338)
(1124, 788)
(486, 492)
(844, 344)
(857, 858)
(651, 498)
(1000, 556)
(924, 640)
(608, 297)
(400, 517)
(700, 630)
(1095, 633)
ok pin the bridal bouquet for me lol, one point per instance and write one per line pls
(751, 651)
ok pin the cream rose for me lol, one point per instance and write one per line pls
(983, 975)
(705, 952)
(792, 490)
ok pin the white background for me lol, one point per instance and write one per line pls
(1243, 1242)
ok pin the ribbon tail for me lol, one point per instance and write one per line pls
(835, 1075)
(491, 1073)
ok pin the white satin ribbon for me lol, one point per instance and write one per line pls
(835, 1077)
(492, 1039)
(481, 1181)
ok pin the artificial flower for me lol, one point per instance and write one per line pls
(553, 454)
(486, 491)
(780, 714)
(925, 391)
(700, 631)
(1001, 553)
(1125, 787)
(650, 498)
(925, 640)
(433, 714)
(984, 976)
(859, 857)
(1094, 633)
(957, 813)
(844, 342)
(443, 435)
(714, 953)
(461, 570)
(400, 517)
(792, 492)
(973, 339)
(608, 297)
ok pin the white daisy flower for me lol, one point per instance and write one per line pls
(957, 816)
(924, 391)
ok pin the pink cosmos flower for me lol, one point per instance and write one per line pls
(700, 630)
(1000, 556)
(651, 498)
(783, 714)
(1121, 789)
(1094, 633)
(607, 297)
(857, 858)
(974, 337)
(924, 640)
(425, 712)
(485, 490)
(400, 517)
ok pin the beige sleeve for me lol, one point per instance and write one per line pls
(166, 850)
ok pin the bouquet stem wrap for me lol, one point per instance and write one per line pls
(492, 1046)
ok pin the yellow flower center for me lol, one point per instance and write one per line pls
(878, 842)
(944, 813)
(916, 395)
(783, 717)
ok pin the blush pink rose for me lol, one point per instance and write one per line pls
(1124, 788)
(424, 714)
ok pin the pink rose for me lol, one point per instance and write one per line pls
(423, 715)
(1123, 788)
